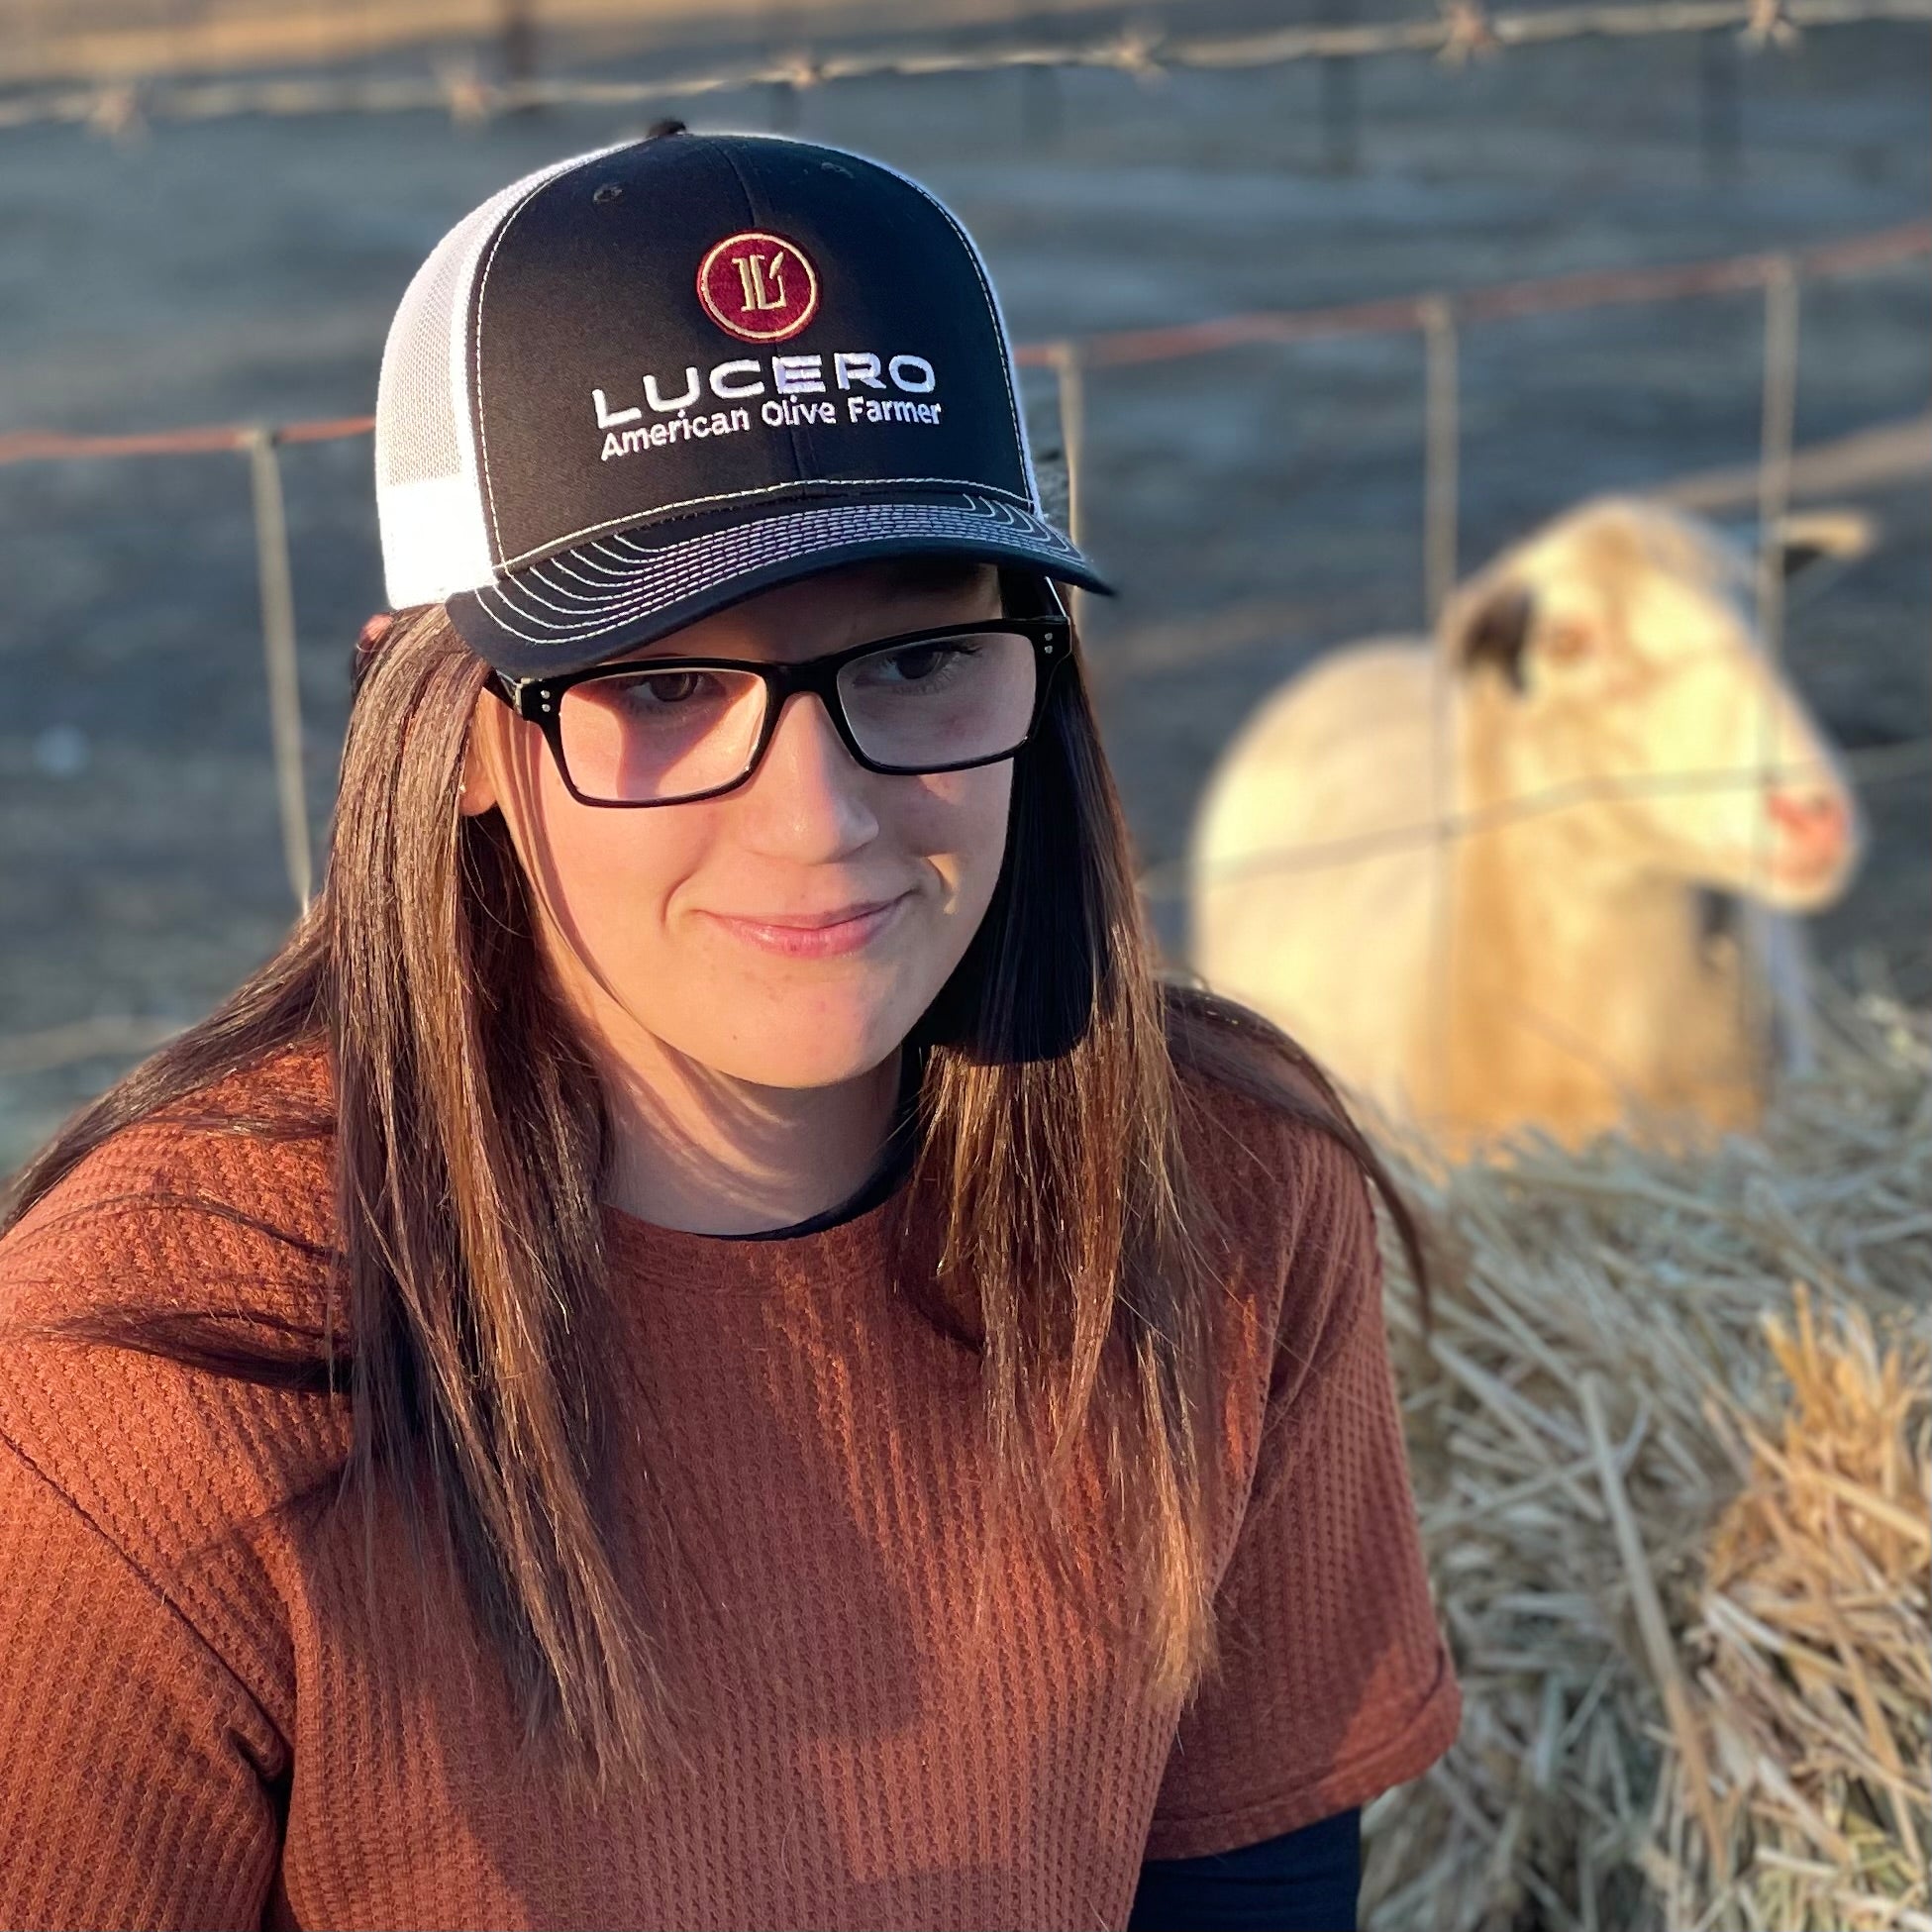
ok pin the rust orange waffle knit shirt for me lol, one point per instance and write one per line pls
(203, 1723)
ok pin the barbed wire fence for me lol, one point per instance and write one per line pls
(1456, 31)
(1439, 318)
(1462, 28)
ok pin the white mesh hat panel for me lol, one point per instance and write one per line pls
(428, 503)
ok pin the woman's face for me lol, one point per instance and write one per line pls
(702, 924)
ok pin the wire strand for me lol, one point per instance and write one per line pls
(1457, 31)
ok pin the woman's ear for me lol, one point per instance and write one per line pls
(479, 788)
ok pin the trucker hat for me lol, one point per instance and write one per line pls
(641, 383)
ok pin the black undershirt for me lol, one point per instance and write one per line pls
(1304, 1880)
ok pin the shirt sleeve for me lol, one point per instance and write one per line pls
(1333, 1682)
(136, 1771)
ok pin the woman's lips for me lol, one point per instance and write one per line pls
(816, 936)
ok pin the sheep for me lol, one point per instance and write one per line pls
(1614, 748)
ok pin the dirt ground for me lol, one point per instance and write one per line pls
(1257, 506)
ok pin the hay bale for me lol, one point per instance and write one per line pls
(1813, 1647)
(1670, 1441)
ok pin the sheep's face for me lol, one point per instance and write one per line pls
(1629, 683)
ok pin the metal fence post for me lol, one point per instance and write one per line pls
(1442, 454)
(1441, 432)
(1071, 387)
(1773, 947)
(278, 653)
(1777, 421)
(1340, 112)
(1041, 112)
(517, 48)
(1720, 125)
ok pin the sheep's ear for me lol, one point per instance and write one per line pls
(1495, 630)
(1821, 537)
(1805, 539)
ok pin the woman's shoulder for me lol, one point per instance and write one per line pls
(1266, 1140)
(1263, 1134)
(1288, 1230)
(236, 1174)
(195, 1235)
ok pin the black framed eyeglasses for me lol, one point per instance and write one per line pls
(666, 731)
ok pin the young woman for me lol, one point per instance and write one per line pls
(708, 1345)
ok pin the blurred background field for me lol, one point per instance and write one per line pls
(1258, 504)
(1674, 1546)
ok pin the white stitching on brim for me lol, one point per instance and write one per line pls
(675, 562)
(616, 559)
(701, 562)
(735, 554)
(550, 545)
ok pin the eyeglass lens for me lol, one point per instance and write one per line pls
(654, 736)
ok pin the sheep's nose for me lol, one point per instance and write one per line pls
(1814, 821)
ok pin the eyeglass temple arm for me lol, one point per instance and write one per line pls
(501, 686)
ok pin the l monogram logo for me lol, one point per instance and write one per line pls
(757, 287)
(754, 271)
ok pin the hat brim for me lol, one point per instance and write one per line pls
(588, 603)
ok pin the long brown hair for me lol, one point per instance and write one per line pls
(470, 1135)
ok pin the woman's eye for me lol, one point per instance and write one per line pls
(667, 688)
(913, 663)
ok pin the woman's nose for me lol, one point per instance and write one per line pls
(809, 794)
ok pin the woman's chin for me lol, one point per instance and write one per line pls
(817, 1050)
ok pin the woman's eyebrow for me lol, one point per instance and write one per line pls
(672, 648)
(735, 651)
(887, 624)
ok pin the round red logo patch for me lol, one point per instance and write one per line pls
(757, 287)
